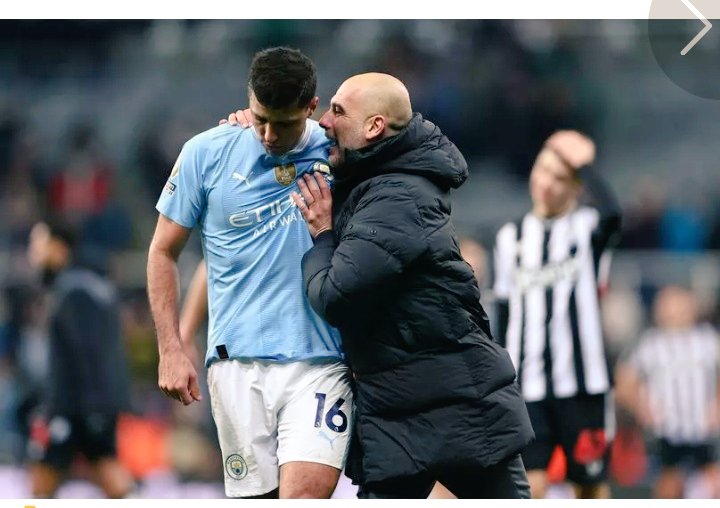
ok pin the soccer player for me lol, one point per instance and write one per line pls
(547, 268)
(87, 385)
(671, 383)
(280, 390)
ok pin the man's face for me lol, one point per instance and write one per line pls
(40, 246)
(279, 130)
(344, 123)
(552, 184)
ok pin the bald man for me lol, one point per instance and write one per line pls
(436, 397)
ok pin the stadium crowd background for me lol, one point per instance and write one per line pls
(93, 114)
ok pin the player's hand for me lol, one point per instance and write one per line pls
(315, 203)
(574, 147)
(242, 117)
(177, 377)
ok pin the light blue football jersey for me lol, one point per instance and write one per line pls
(253, 238)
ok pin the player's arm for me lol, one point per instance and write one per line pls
(503, 263)
(176, 375)
(631, 389)
(384, 236)
(714, 413)
(600, 195)
(194, 312)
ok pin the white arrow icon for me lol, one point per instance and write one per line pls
(702, 32)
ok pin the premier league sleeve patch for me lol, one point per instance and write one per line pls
(324, 168)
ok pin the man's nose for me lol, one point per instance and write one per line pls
(325, 120)
(270, 135)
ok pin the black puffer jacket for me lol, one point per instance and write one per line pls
(432, 386)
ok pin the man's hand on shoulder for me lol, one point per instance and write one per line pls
(242, 118)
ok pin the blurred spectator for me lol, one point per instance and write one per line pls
(642, 227)
(87, 385)
(81, 193)
(670, 381)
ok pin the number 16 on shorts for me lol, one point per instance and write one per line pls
(335, 419)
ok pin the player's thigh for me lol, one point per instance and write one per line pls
(536, 455)
(53, 442)
(247, 426)
(96, 435)
(583, 429)
(113, 478)
(315, 425)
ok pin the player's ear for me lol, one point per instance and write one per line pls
(313, 106)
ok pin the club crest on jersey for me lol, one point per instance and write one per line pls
(285, 174)
(236, 467)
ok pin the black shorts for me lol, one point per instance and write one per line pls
(686, 455)
(56, 440)
(577, 424)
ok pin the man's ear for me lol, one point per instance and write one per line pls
(375, 128)
(313, 106)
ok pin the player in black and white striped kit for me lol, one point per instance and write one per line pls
(547, 271)
(670, 381)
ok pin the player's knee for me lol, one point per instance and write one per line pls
(45, 481)
(538, 483)
(308, 482)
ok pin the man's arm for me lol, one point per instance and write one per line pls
(599, 195)
(194, 312)
(631, 389)
(384, 236)
(176, 375)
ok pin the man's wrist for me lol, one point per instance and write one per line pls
(325, 237)
(322, 230)
(170, 346)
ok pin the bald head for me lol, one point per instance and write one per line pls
(380, 94)
(367, 108)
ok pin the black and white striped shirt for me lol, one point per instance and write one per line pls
(680, 372)
(546, 283)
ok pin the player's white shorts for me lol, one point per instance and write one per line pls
(270, 413)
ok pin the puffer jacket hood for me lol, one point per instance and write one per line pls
(419, 149)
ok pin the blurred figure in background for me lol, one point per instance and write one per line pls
(670, 381)
(547, 280)
(476, 257)
(87, 386)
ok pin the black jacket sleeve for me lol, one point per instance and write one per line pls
(384, 235)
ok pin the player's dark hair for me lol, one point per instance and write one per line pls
(282, 78)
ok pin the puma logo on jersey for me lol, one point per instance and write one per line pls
(238, 176)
